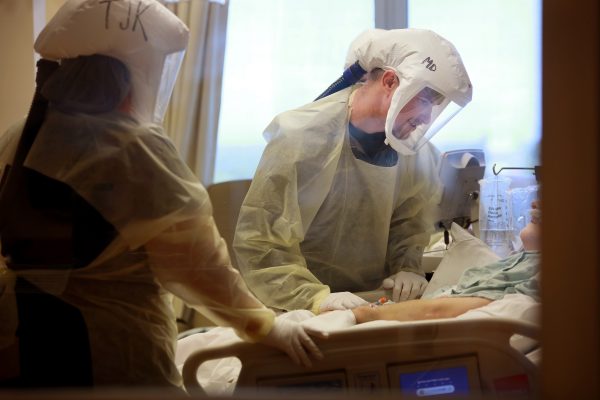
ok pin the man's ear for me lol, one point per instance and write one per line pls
(389, 80)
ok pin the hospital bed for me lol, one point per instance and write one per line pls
(436, 357)
(489, 352)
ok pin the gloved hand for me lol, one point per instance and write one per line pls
(291, 338)
(341, 301)
(405, 285)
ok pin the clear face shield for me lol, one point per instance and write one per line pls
(415, 117)
(167, 81)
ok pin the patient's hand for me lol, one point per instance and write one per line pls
(364, 314)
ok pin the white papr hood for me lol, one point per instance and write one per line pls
(421, 59)
(148, 38)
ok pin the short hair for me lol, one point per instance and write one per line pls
(88, 84)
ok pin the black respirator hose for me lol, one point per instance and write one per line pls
(9, 191)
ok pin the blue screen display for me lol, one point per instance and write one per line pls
(450, 381)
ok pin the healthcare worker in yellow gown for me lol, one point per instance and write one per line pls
(340, 200)
(110, 220)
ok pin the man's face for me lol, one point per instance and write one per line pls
(416, 112)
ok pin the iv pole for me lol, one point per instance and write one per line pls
(537, 171)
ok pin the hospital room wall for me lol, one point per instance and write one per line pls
(17, 75)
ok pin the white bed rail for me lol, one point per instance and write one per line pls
(373, 356)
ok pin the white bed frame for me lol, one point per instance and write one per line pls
(372, 358)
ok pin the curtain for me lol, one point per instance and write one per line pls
(192, 118)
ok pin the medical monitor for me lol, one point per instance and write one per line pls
(459, 172)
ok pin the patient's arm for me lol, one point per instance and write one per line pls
(414, 310)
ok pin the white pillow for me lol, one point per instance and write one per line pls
(465, 251)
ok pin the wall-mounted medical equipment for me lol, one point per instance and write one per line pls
(445, 358)
(459, 173)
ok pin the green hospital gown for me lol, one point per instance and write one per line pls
(518, 273)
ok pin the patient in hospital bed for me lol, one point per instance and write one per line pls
(470, 282)
(477, 287)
